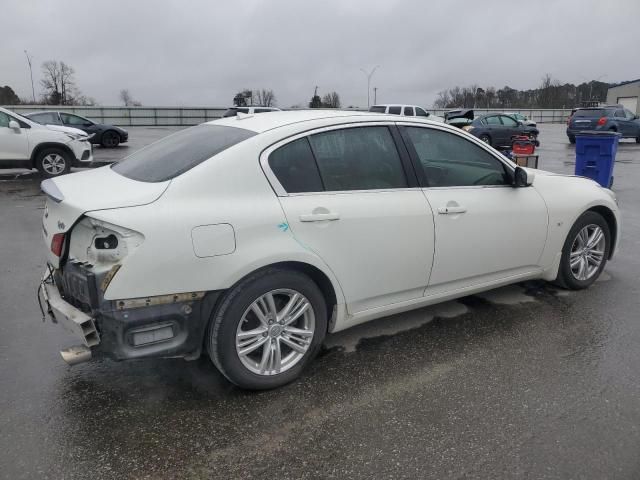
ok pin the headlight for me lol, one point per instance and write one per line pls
(74, 136)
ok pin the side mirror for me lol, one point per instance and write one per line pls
(520, 123)
(522, 177)
(13, 125)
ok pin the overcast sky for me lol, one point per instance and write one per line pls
(203, 52)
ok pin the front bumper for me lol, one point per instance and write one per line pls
(82, 152)
(164, 326)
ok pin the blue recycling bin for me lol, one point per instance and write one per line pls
(596, 154)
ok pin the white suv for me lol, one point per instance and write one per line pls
(27, 144)
(253, 237)
(405, 110)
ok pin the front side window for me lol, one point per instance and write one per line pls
(395, 110)
(294, 166)
(262, 110)
(362, 158)
(408, 111)
(421, 113)
(629, 115)
(448, 160)
(69, 119)
(4, 120)
(508, 121)
(173, 155)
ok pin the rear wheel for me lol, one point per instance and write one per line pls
(585, 252)
(52, 162)
(110, 139)
(485, 138)
(268, 329)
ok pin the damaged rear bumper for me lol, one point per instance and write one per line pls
(160, 326)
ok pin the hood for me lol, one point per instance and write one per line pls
(461, 113)
(63, 129)
(71, 196)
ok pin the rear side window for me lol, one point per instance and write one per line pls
(177, 153)
(589, 113)
(377, 109)
(508, 121)
(395, 110)
(4, 120)
(361, 158)
(495, 120)
(294, 166)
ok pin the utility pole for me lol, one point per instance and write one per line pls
(375, 95)
(33, 92)
(369, 75)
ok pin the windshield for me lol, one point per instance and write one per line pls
(589, 113)
(177, 153)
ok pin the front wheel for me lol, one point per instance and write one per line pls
(585, 252)
(268, 329)
(53, 162)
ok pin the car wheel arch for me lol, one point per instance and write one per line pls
(42, 146)
(610, 218)
(330, 290)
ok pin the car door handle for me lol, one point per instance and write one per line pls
(451, 210)
(319, 217)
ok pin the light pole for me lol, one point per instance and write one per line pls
(375, 95)
(33, 92)
(369, 75)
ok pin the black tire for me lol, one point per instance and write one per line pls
(566, 278)
(638, 139)
(110, 139)
(572, 140)
(485, 138)
(221, 334)
(53, 162)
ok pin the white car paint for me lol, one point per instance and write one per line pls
(17, 145)
(405, 110)
(378, 255)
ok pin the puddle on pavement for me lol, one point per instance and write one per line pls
(509, 295)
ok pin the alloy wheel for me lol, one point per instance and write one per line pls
(275, 332)
(587, 252)
(54, 164)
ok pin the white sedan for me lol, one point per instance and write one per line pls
(253, 237)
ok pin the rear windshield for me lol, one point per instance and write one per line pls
(589, 113)
(377, 109)
(177, 153)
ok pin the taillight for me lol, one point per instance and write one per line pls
(56, 244)
(602, 121)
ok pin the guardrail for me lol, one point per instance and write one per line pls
(185, 116)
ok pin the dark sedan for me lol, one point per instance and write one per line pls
(106, 135)
(498, 129)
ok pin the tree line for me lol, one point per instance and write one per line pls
(550, 94)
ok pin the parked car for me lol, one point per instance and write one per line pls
(521, 118)
(27, 144)
(253, 238)
(498, 129)
(106, 135)
(460, 118)
(233, 111)
(611, 118)
(406, 110)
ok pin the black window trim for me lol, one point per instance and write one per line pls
(423, 180)
(405, 160)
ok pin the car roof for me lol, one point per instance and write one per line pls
(270, 120)
(395, 105)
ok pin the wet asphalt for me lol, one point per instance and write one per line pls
(526, 381)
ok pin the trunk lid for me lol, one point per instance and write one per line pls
(586, 118)
(71, 196)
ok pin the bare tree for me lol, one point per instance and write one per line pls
(331, 100)
(126, 97)
(265, 98)
(58, 83)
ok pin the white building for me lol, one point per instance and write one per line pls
(626, 94)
